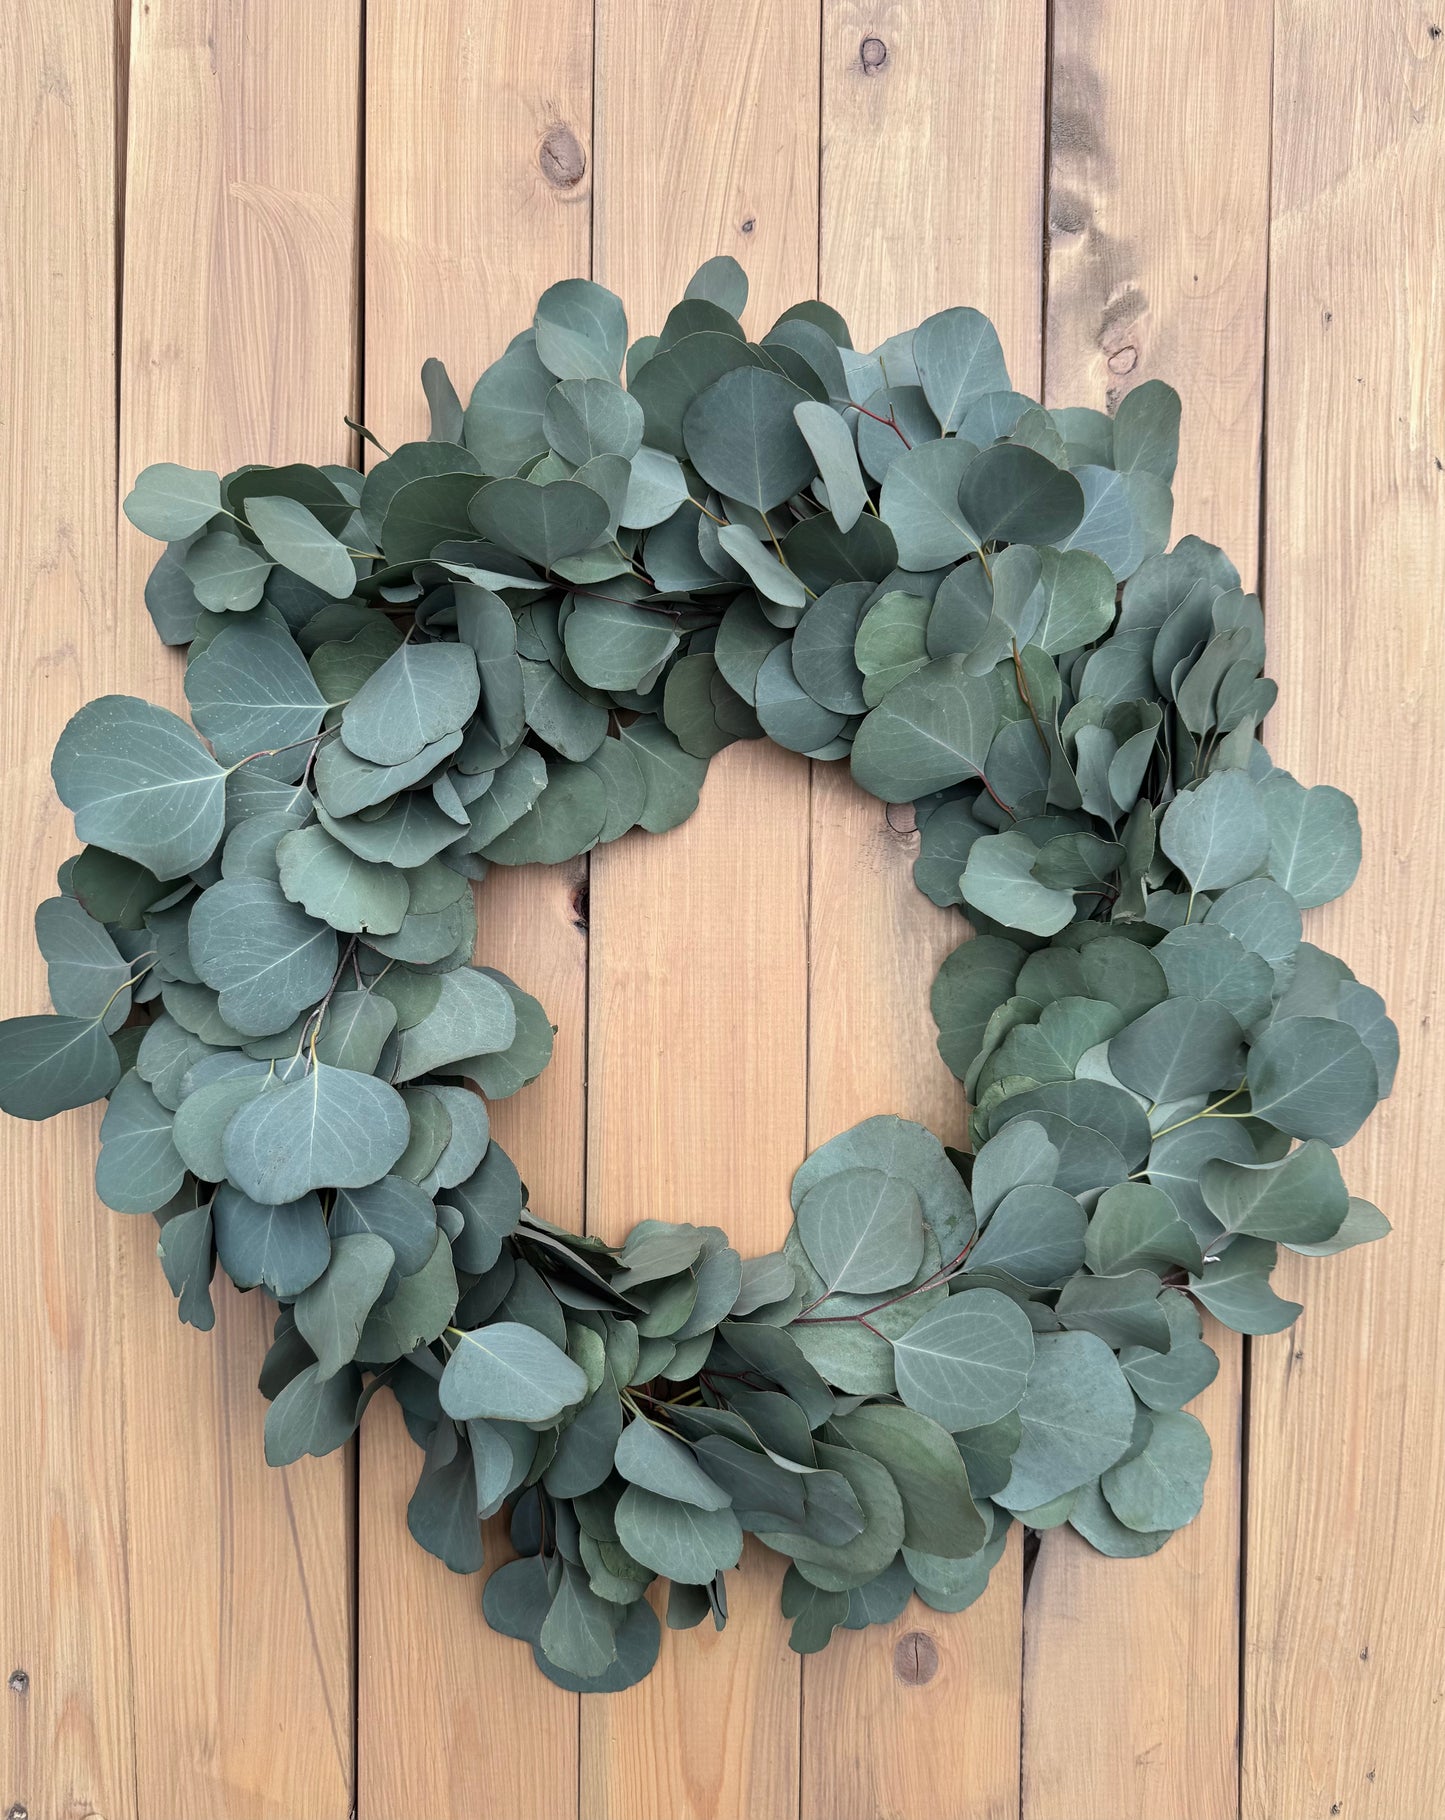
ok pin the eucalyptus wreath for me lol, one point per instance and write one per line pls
(528, 635)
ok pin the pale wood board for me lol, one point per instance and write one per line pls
(238, 339)
(758, 979)
(906, 230)
(466, 222)
(66, 1744)
(706, 121)
(1157, 239)
(1345, 1583)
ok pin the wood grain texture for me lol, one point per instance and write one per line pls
(902, 236)
(1157, 241)
(66, 1745)
(184, 1614)
(239, 314)
(706, 122)
(478, 197)
(1344, 1657)
(1157, 233)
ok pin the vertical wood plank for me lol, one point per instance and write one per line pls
(1157, 237)
(706, 122)
(932, 196)
(1346, 1546)
(239, 331)
(66, 1742)
(478, 197)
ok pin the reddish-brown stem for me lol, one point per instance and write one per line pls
(944, 1274)
(994, 793)
(890, 422)
(311, 740)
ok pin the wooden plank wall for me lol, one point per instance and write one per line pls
(226, 223)
(67, 1741)
(478, 195)
(238, 341)
(1156, 269)
(892, 81)
(1344, 1659)
(697, 1040)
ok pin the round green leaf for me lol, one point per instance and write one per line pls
(141, 784)
(1182, 1047)
(333, 885)
(1216, 833)
(251, 690)
(966, 1363)
(420, 694)
(1314, 839)
(741, 436)
(542, 522)
(1012, 495)
(1077, 1417)
(509, 1372)
(1162, 1487)
(265, 957)
(959, 359)
(862, 1230)
(283, 1245)
(1312, 1077)
(138, 1170)
(998, 879)
(331, 1128)
(170, 502)
(931, 732)
(295, 537)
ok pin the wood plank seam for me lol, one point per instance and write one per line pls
(121, 37)
(1030, 1546)
(357, 458)
(1246, 1362)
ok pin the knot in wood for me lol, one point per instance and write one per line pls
(872, 55)
(562, 160)
(915, 1658)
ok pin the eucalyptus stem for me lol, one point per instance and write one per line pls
(1209, 1112)
(312, 740)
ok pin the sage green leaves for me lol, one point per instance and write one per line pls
(329, 1127)
(862, 1230)
(929, 733)
(250, 689)
(140, 784)
(966, 1363)
(51, 1064)
(418, 696)
(261, 954)
(169, 502)
(741, 436)
(510, 1372)
(1216, 833)
(528, 636)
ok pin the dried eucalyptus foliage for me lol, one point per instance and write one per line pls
(528, 635)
